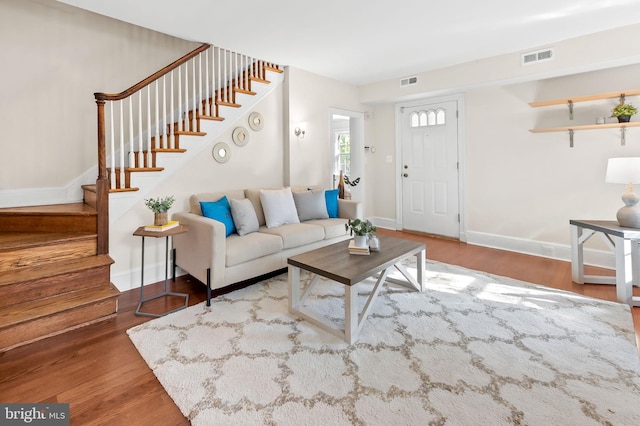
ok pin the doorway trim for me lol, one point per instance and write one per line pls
(461, 156)
(356, 134)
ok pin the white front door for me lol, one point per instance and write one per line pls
(429, 168)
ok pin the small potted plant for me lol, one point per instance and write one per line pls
(159, 206)
(361, 229)
(624, 112)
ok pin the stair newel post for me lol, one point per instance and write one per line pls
(102, 183)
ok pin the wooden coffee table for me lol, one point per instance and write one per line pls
(335, 263)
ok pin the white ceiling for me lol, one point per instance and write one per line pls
(365, 41)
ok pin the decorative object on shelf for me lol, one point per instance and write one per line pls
(221, 152)
(623, 112)
(161, 228)
(352, 183)
(360, 229)
(626, 170)
(355, 249)
(570, 102)
(159, 206)
(341, 186)
(256, 122)
(240, 136)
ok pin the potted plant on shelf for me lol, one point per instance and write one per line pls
(159, 206)
(624, 112)
(360, 229)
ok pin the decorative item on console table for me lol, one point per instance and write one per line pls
(159, 206)
(341, 186)
(361, 229)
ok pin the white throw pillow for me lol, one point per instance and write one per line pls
(310, 205)
(244, 216)
(278, 207)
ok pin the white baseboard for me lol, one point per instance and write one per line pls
(600, 258)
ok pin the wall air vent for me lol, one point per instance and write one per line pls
(538, 56)
(408, 81)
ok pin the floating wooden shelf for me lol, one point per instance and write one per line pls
(586, 127)
(563, 101)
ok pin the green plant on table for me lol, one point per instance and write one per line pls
(359, 227)
(160, 204)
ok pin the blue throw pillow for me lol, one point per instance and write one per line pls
(331, 197)
(220, 211)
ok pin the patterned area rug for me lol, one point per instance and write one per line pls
(472, 349)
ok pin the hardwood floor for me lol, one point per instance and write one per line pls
(98, 371)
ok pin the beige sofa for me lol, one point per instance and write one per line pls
(218, 260)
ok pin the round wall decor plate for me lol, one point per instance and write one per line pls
(256, 121)
(240, 136)
(221, 152)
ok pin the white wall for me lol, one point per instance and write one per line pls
(54, 58)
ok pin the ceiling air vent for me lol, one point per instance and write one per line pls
(539, 56)
(408, 81)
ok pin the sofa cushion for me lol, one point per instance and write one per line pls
(332, 227)
(251, 246)
(254, 196)
(296, 235)
(331, 199)
(310, 205)
(244, 216)
(194, 200)
(278, 207)
(220, 211)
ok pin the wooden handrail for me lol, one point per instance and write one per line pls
(153, 77)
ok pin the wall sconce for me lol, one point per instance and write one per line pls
(299, 132)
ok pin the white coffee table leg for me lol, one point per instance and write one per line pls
(351, 326)
(294, 287)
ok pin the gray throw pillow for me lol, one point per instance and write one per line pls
(244, 216)
(311, 205)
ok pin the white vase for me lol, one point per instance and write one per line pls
(360, 240)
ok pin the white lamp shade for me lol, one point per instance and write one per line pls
(623, 170)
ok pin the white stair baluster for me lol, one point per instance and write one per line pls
(165, 141)
(171, 128)
(112, 173)
(122, 180)
(131, 145)
(207, 106)
(186, 97)
(139, 152)
(195, 97)
(148, 156)
(157, 123)
(179, 98)
(200, 105)
(225, 79)
(219, 77)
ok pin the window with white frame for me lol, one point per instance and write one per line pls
(342, 160)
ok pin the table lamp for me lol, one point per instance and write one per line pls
(626, 170)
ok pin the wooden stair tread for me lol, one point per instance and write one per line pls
(270, 68)
(259, 80)
(22, 240)
(210, 117)
(124, 189)
(244, 91)
(144, 169)
(46, 270)
(79, 208)
(179, 150)
(229, 104)
(189, 133)
(41, 308)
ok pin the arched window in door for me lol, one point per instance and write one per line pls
(431, 117)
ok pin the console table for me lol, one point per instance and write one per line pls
(140, 232)
(622, 241)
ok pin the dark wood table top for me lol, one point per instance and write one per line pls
(336, 263)
(610, 227)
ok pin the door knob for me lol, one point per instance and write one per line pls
(406, 175)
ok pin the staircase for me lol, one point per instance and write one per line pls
(54, 262)
(51, 278)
